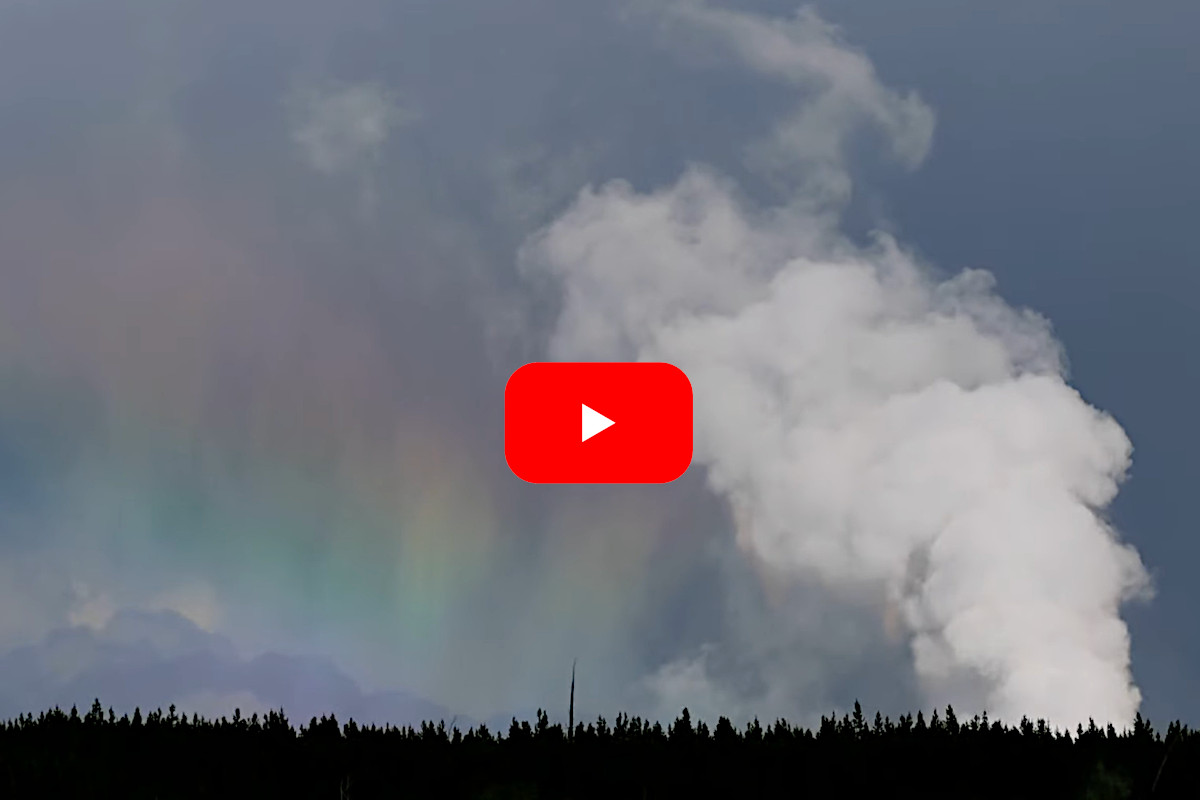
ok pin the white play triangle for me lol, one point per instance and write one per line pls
(593, 423)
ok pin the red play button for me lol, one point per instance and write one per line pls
(598, 423)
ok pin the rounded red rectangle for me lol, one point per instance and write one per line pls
(598, 422)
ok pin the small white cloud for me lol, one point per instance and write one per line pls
(686, 683)
(91, 609)
(196, 602)
(840, 89)
(341, 128)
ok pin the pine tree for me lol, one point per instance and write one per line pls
(951, 721)
(681, 729)
(859, 725)
(725, 734)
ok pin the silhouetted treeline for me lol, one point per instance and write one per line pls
(167, 755)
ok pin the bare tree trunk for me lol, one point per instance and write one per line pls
(571, 707)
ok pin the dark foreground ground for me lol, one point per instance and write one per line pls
(163, 755)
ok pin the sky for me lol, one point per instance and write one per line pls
(265, 268)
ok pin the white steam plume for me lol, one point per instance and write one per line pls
(871, 426)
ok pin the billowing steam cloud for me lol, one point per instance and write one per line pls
(873, 427)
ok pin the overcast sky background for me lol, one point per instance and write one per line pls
(259, 298)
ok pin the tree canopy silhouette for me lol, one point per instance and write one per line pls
(171, 755)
